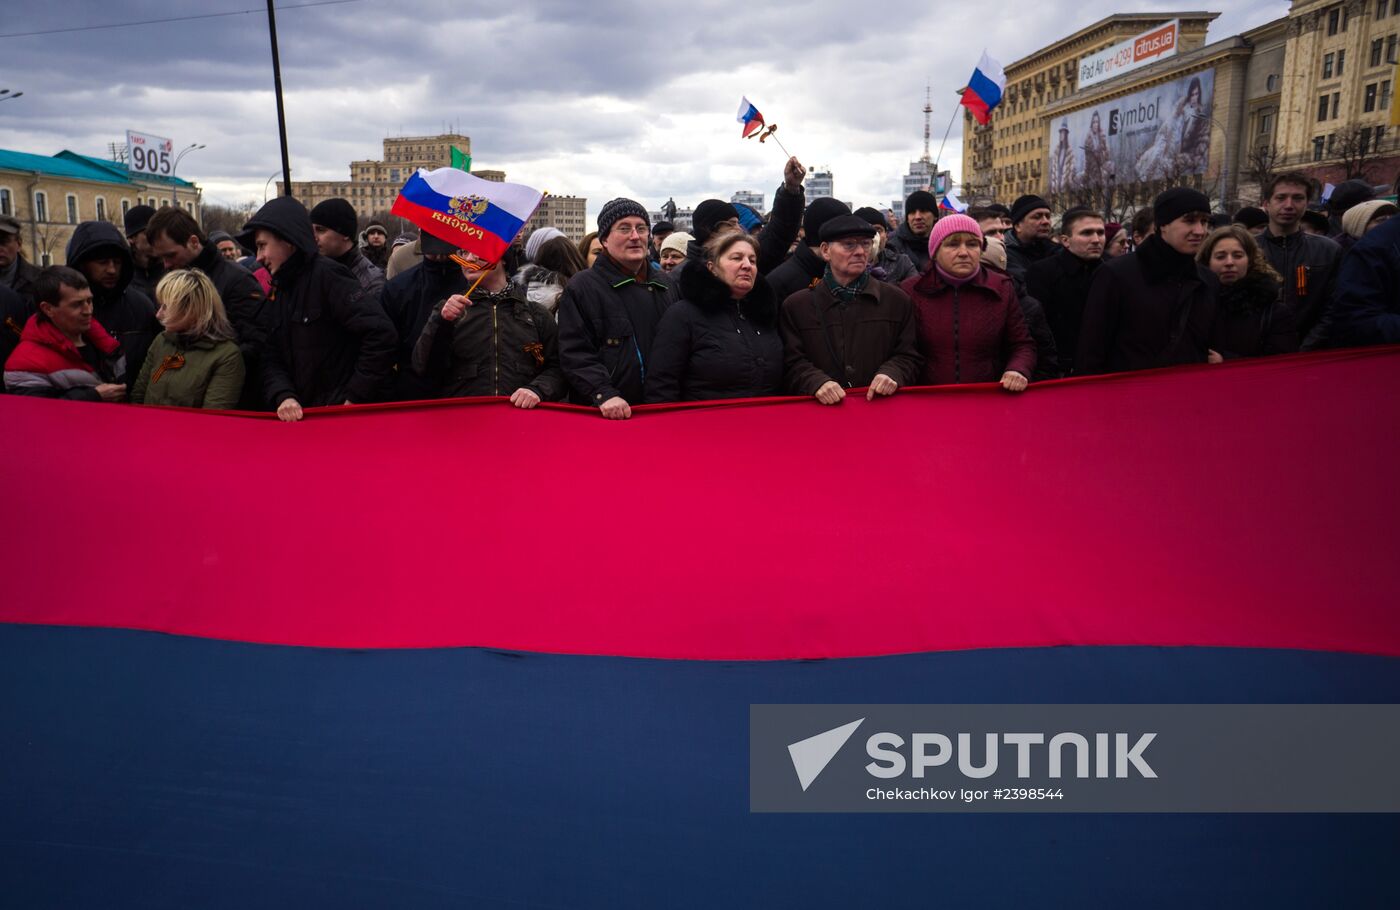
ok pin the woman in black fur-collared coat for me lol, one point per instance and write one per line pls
(1252, 320)
(720, 339)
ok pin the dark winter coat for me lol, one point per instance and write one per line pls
(145, 280)
(408, 299)
(1061, 284)
(370, 276)
(970, 333)
(128, 315)
(1047, 362)
(378, 256)
(1366, 302)
(1153, 307)
(25, 274)
(1253, 319)
(710, 346)
(1307, 264)
(1020, 255)
(502, 342)
(46, 364)
(330, 342)
(850, 343)
(607, 323)
(244, 302)
(892, 266)
(189, 372)
(14, 313)
(905, 241)
(803, 269)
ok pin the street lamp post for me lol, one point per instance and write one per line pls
(5, 94)
(275, 175)
(192, 147)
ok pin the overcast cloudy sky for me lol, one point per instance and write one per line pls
(598, 99)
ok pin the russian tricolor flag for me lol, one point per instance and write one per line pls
(952, 203)
(984, 89)
(480, 216)
(749, 117)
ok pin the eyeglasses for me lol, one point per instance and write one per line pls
(851, 246)
(640, 230)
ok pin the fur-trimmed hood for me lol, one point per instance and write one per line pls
(1254, 293)
(700, 287)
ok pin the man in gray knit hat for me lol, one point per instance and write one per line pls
(608, 314)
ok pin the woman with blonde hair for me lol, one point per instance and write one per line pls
(195, 362)
(1253, 320)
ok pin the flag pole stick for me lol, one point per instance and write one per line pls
(944, 143)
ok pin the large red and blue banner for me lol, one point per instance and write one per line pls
(461, 654)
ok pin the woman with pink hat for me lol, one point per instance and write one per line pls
(970, 325)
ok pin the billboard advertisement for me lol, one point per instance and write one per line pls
(1126, 56)
(1159, 133)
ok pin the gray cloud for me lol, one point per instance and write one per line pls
(599, 99)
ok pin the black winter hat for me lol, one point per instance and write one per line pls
(920, 201)
(1251, 216)
(663, 227)
(336, 214)
(137, 217)
(433, 245)
(1024, 206)
(708, 214)
(1178, 201)
(873, 216)
(617, 209)
(1349, 193)
(819, 213)
(846, 226)
(1317, 217)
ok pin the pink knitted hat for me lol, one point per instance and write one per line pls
(948, 225)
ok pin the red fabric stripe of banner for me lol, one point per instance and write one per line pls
(488, 246)
(1251, 504)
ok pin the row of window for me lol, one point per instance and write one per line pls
(1367, 139)
(1376, 97)
(41, 206)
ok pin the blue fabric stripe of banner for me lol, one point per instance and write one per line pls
(985, 88)
(495, 219)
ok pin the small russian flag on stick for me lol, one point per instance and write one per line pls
(753, 124)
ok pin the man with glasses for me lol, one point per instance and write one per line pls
(848, 330)
(608, 314)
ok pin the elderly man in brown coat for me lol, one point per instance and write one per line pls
(848, 330)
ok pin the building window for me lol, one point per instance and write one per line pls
(126, 207)
(1341, 61)
(1377, 47)
(101, 209)
(189, 207)
(1327, 65)
(1317, 148)
(1390, 50)
(1336, 105)
(1322, 108)
(151, 202)
(1385, 98)
(1334, 21)
(72, 209)
(41, 207)
(45, 259)
(1331, 142)
(1364, 138)
(1370, 104)
(1380, 9)
(7, 205)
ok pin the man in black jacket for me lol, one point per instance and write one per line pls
(1061, 282)
(1307, 262)
(333, 221)
(15, 273)
(98, 250)
(806, 266)
(911, 237)
(715, 216)
(408, 299)
(1156, 306)
(495, 342)
(176, 239)
(330, 344)
(608, 314)
(148, 266)
(1029, 239)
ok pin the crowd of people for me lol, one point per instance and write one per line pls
(302, 309)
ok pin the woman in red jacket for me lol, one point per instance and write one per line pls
(969, 321)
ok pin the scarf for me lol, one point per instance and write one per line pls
(844, 293)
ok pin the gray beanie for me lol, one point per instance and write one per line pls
(616, 210)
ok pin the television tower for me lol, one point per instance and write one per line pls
(928, 115)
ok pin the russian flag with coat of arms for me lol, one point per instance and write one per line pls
(479, 216)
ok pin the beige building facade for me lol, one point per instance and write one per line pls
(50, 195)
(1006, 158)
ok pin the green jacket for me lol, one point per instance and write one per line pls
(197, 374)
